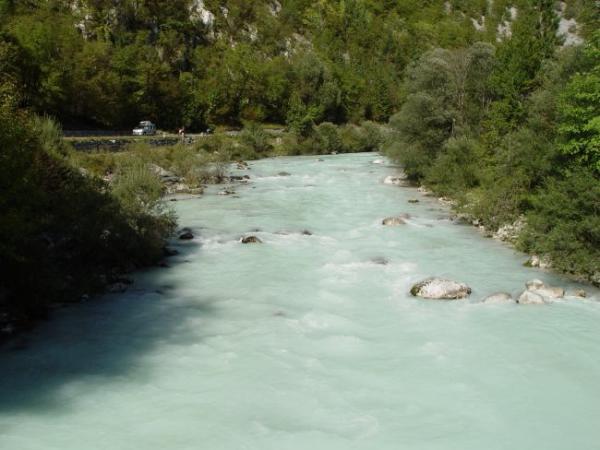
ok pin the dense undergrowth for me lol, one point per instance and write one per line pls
(512, 134)
(64, 234)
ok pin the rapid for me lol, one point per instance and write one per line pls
(312, 340)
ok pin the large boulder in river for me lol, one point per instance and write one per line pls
(530, 298)
(393, 221)
(540, 288)
(534, 284)
(250, 240)
(440, 289)
(500, 297)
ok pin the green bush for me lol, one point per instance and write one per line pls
(368, 137)
(63, 234)
(327, 137)
(564, 224)
(255, 140)
(457, 169)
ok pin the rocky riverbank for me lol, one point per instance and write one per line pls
(509, 233)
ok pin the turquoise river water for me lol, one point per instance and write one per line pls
(306, 342)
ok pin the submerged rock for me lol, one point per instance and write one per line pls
(250, 240)
(500, 297)
(440, 289)
(530, 298)
(240, 178)
(306, 233)
(380, 260)
(537, 261)
(284, 174)
(168, 252)
(226, 192)
(393, 221)
(395, 181)
(186, 234)
(413, 200)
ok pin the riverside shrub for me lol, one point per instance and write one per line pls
(64, 234)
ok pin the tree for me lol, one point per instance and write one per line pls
(579, 110)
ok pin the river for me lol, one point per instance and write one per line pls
(308, 341)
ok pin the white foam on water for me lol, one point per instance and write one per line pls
(312, 341)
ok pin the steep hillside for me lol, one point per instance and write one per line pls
(197, 63)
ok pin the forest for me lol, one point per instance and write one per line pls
(492, 104)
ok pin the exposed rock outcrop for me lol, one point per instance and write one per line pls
(250, 240)
(395, 180)
(393, 221)
(542, 262)
(540, 288)
(530, 298)
(186, 234)
(440, 289)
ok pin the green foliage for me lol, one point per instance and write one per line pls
(328, 138)
(368, 137)
(448, 95)
(564, 224)
(579, 110)
(512, 133)
(91, 64)
(63, 234)
(457, 169)
(255, 139)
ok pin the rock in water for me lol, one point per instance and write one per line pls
(380, 260)
(538, 287)
(500, 297)
(393, 221)
(250, 240)
(550, 292)
(394, 181)
(534, 284)
(530, 298)
(379, 161)
(284, 174)
(579, 293)
(186, 234)
(537, 261)
(440, 289)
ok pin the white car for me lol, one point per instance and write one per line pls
(145, 128)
